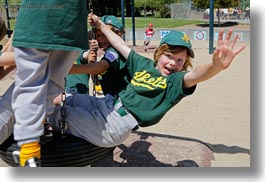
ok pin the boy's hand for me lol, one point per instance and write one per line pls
(92, 56)
(94, 20)
(225, 53)
(93, 44)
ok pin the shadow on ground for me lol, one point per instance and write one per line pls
(144, 149)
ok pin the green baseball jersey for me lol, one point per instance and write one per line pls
(116, 78)
(150, 95)
(78, 82)
(52, 24)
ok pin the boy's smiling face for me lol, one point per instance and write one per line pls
(170, 63)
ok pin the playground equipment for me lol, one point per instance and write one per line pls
(68, 151)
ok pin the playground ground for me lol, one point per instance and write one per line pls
(211, 128)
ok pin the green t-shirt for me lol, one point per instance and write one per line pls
(150, 95)
(116, 78)
(78, 82)
(52, 24)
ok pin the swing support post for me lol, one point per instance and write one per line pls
(133, 22)
(122, 17)
(211, 27)
(8, 22)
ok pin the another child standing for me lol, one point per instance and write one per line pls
(149, 33)
(110, 69)
(48, 37)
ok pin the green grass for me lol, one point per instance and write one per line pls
(143, 22)
(12, 24)
(159, 22)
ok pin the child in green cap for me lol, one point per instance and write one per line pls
(155, 87)
(110, 69)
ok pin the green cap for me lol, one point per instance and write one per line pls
(177, 38)
(112, 20)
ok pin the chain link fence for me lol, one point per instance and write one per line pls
(186, 10)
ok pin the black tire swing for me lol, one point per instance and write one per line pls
(59, 149)
(68, 151)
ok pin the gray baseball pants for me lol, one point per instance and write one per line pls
(95, 120)
(39, 79)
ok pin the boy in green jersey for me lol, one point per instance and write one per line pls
(48, 37)
(155, 88)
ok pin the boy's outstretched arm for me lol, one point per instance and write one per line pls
(222, 58)
(116, 41)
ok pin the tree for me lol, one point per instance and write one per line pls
(104, 7)
(160, 7)
(217, 3)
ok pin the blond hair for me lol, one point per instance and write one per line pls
(173, 49)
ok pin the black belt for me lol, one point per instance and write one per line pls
(135, 128)
(123, 112)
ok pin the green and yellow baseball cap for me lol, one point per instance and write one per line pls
(177, 38)
(112, 20)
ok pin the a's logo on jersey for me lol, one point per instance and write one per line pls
(144, 79)
(111, 56)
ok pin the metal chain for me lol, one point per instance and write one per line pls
(63, 123)
(93, 36)
(93, 32)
